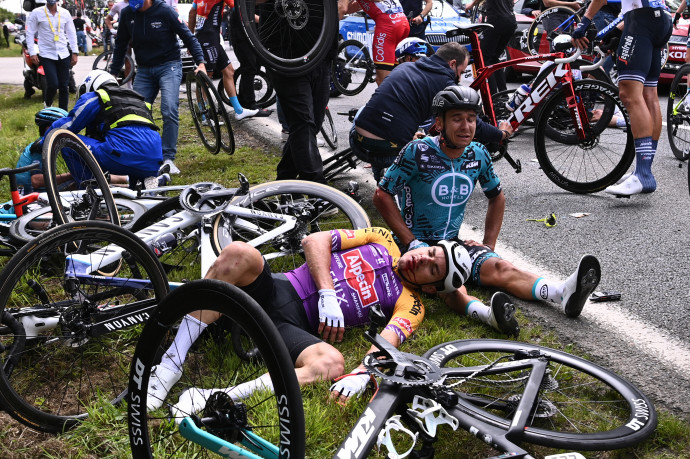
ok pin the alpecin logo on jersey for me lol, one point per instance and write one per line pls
(349, 233)
(360, 276)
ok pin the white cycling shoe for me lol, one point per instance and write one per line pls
(628, 187)
(580, 285)
(246, 113)
(191, 401)
(160, 382)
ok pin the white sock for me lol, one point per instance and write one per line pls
(245, 390)
(548, 290)
(479, 311)
(189, 331)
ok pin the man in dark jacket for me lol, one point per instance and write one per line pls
(153, 27)
(403, 102)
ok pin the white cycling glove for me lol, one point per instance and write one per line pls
(416, 245)
(352, 384)
(329, 309)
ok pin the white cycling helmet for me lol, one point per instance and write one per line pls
(411, 47)
(94, 80)
(458, 265)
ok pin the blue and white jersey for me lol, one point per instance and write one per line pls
(628, 5)
(434, 189)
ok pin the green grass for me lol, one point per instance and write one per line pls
(104, 434)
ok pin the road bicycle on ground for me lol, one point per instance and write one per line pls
(73, 300)
(678, 114)
(574, 143)
(505, 393)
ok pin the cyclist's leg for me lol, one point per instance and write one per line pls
(389, 31)
(493, 44)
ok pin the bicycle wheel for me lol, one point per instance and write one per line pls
(226, 136)
(277, 418)
(294, 35)
(317, 208)
(204, 112)
(28, 226)
(678, 114)
(339, 163)
(103, 60)
(262, 87)
(352, 69)
(75, 184)
(81, 314)
(581, 405)
(545, 28)
(592, 164)
(328, 131)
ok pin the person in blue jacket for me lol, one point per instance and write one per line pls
(403, 103)
(120, 131)
(152, 27)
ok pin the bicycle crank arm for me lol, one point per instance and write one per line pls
(264, 449)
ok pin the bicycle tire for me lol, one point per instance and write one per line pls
(277, 418)
(592, 164)
(286, 26)
(539, 38)
(84, 355)
(352, 69)
(328, 130)
(64, 152)
(581, 388)
(340, 162)
(103, 60)
(28, 226)
(264, 95)
(310, 202)
(678, 114)
(226, 135)
(204, 113)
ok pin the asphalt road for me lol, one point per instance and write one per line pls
(641, 243)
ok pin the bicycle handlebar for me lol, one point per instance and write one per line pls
(597, 64)
(9, 171)
(570, 58)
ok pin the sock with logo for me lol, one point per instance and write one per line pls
(189, 331)
(547, 290)
(236, 105)
(479, 311)
(644, 155)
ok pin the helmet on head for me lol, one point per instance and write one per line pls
(411, 47)
(94, 80)
(46, 116)
(455, 97)
(458, 265)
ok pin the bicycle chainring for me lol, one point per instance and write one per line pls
(415, 371)
(198, 199)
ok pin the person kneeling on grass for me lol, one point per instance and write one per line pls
(346, 272)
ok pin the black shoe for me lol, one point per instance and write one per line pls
(580, 285)
(503, 310)
(264, 112)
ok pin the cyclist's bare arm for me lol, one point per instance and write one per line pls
(191, 20)
(494, 219)
(347, 7)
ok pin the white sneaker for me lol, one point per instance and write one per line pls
(150, 183)
(191, 402)
(160, 382)
(246, 113)
(172, 167)
(320, 142)
(580, 285)
(628, 187)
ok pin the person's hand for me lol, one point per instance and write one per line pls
(419, 135)
(348, 385)
(200, 68)
(418, 19)
(416, 245)
(506, 127)
(536, 13)
(34, 59)
(331, 320)
(578, 36)
(73, 61)
(472, 242)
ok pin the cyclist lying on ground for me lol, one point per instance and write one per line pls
(403, 103)
(346, 272)
(120, 131)
(434, 178)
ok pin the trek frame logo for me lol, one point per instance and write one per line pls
(360, 277)
(557, 75)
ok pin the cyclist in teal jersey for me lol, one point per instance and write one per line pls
(433, 178)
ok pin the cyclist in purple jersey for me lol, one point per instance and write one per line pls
(434, 178)
(346, 273)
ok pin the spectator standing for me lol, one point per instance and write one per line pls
(79, 25)
(106, 29)
(56, 37)
(500, 14)
(6, 33)
(153, 27)
(416, 13)
(245, 54)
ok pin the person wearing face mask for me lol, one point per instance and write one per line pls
(152, 27)
(403, 103)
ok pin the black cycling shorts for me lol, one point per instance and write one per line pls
(214, 53)
(280, 300)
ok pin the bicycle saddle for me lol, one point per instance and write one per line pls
(467, 29)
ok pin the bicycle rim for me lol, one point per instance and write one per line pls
(328, 131)
(591, 164)
(69, 363)
(317, 208)
(678, 114)
(352, 68)
(262, 87)
(294, 35)
(581, 405)
(276, 417)
(204, 112)
(85, 195)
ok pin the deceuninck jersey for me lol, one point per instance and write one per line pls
(364, 271)
(434, 189)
